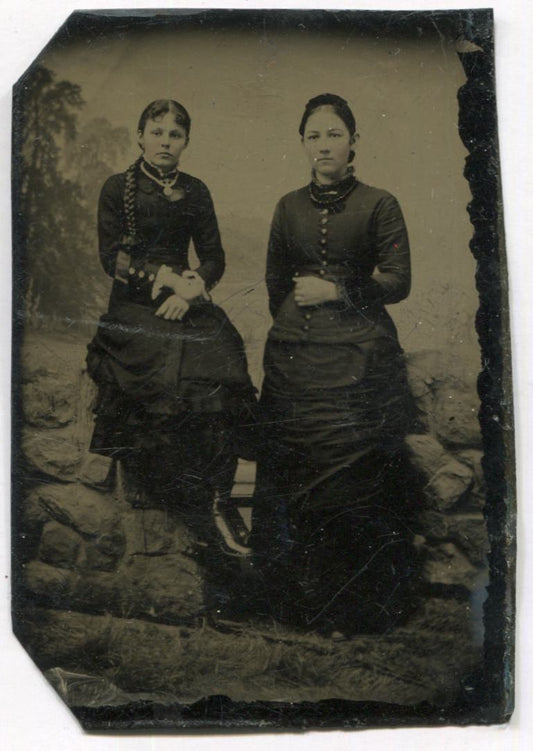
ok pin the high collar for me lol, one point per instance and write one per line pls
(157, 173)
(325, 195)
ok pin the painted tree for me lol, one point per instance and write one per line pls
(54, 219)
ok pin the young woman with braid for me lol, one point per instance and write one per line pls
(170, 367)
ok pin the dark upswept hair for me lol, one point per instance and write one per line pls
(339, 105)
(161, 107)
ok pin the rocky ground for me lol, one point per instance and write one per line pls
(111, 604)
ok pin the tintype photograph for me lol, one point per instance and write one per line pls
(262, 438)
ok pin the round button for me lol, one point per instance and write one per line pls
(324, 211)
(141, 274)
(306, 328)
(324, 231)
(324, 263)
(323, 251)
(323, 241)
(131, 270)
(308, 316)
(151, 277)
(296, 273)
(324, 220)
(322, 272)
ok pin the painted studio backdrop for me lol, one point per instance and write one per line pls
(99, 596)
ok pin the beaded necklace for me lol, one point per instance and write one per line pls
(331, 196)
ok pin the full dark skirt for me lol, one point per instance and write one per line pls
(171, 398)
(152, 373)
(331, 532)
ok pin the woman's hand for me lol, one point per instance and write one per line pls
(187, 286)
(311, 290)
(173, 309)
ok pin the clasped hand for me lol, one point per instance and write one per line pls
(311, 290)
(186, 287)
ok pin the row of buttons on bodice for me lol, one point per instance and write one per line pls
(323, 245)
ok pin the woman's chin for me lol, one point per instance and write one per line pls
(330, 174)
(166, 165)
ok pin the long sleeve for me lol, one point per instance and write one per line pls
(207, 243)
(278, 271)
(391, 280)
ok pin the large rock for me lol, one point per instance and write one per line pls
(446, 564)
(97, 471)
(72, 513)
(57, 394)
(52, 373)
(49, 582)
(449, 485)
(82, 509)
(94, 592)
(472, 458)
(423, 369)
(456, 414)
(154, 532)
(467, 530)
(55, 453)
(103, 553)
(50, 403)
(446, 399)
(426, 454)
(60, 545)
(168, 587)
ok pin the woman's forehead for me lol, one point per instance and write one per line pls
(167, 119)
(325, 117)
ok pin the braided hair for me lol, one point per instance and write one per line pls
(130, 187)
(153, 111)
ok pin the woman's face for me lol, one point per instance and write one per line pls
(162, 141)
(327, 143)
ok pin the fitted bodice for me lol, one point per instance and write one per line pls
(363, 248)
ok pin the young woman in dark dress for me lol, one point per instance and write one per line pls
(330, 533)
(170, 367)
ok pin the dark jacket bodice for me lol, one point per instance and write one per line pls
(143, 363)
(363, 248)
(164, 229)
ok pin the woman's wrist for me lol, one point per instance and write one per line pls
(335, 292)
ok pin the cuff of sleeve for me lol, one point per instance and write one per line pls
(204, 275)
(122, 265)
(204, 294)
(141, 275)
